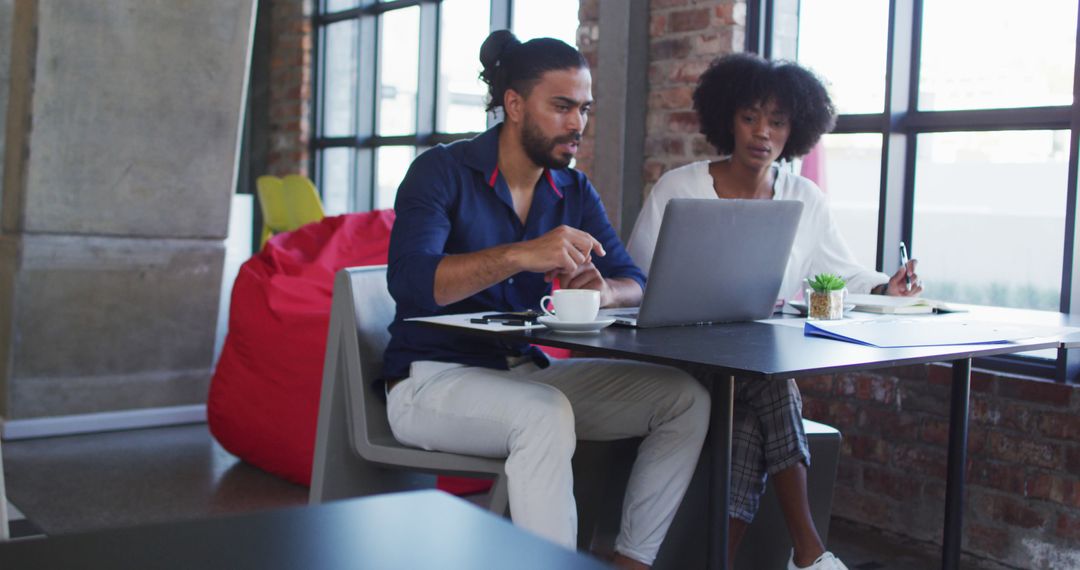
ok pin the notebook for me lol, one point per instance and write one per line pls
(889, 305)
(716, 261)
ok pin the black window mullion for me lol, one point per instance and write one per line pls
(757, 37)
(1030, 118)
(768, 13)
(317, 83)
(897, 146)
(907, 213)
(862, 123)
(369, 8)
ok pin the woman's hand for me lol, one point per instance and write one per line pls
(898, 284)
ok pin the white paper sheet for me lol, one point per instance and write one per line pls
(896, 332)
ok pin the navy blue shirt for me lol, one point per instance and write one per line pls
(453, 200)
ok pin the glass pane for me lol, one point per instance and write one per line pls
(978, 57)
(399, 63)
(461, 93)
(848, 170)
(989, 221)
(856, 77)
(548, 19)
(339, 99)
(338, 5)
(393, 162)
(336, 181)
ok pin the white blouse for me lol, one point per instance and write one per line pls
(818, 247)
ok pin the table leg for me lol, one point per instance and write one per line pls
(959, 403)
(723, 400)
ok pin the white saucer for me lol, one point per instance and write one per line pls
(555, 324)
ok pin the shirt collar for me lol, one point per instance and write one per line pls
(482, 154)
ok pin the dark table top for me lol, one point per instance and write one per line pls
(408, 531)
(771, 351)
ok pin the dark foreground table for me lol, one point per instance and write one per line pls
(768, 352)
(407, 531)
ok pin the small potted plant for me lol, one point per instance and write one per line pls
(825, 297)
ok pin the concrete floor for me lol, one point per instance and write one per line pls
(79, 483)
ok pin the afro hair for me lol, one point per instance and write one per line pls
(739, 81)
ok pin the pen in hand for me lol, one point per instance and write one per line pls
(904, 263)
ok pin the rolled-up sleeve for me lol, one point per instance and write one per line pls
(417, 242)
(617, 262)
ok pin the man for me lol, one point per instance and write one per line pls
(486, 225)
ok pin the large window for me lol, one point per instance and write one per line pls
(957, 135)
(396, 77)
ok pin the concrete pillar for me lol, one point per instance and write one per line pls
(7, 8)
(120, 163)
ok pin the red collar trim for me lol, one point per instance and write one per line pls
(551, 181)
(547, 172)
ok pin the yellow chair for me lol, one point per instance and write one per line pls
(287, 203)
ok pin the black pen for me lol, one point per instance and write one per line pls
(904, 263)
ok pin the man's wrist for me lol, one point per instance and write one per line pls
(880, 289)
(510, 256)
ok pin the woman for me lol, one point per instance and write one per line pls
(756, 112)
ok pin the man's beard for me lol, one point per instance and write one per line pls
(541, 150)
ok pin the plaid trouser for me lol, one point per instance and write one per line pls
(767, 437)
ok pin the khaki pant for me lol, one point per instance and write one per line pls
(533, 416)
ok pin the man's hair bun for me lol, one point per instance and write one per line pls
(493, 50)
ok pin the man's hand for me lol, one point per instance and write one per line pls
(614, 292)
(587, 276)
(898, 283)
(562, 250)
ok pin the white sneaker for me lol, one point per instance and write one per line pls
(824, 562)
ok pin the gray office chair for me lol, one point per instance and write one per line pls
(355, 452)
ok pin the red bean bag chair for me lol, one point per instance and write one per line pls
(264, 396)
(263, 404)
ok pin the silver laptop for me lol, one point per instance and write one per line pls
(716, 261)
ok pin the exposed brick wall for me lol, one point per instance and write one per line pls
(291, 66)
(1023, 500)
(588, 34)
(684, 36)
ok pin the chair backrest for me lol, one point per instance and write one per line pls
(368, 300)
(287, 203)
(303, 199)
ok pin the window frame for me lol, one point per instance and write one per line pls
(901, 122)
(363, 175)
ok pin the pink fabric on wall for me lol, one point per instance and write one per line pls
(813, 167)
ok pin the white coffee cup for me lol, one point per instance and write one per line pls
(572, 305)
